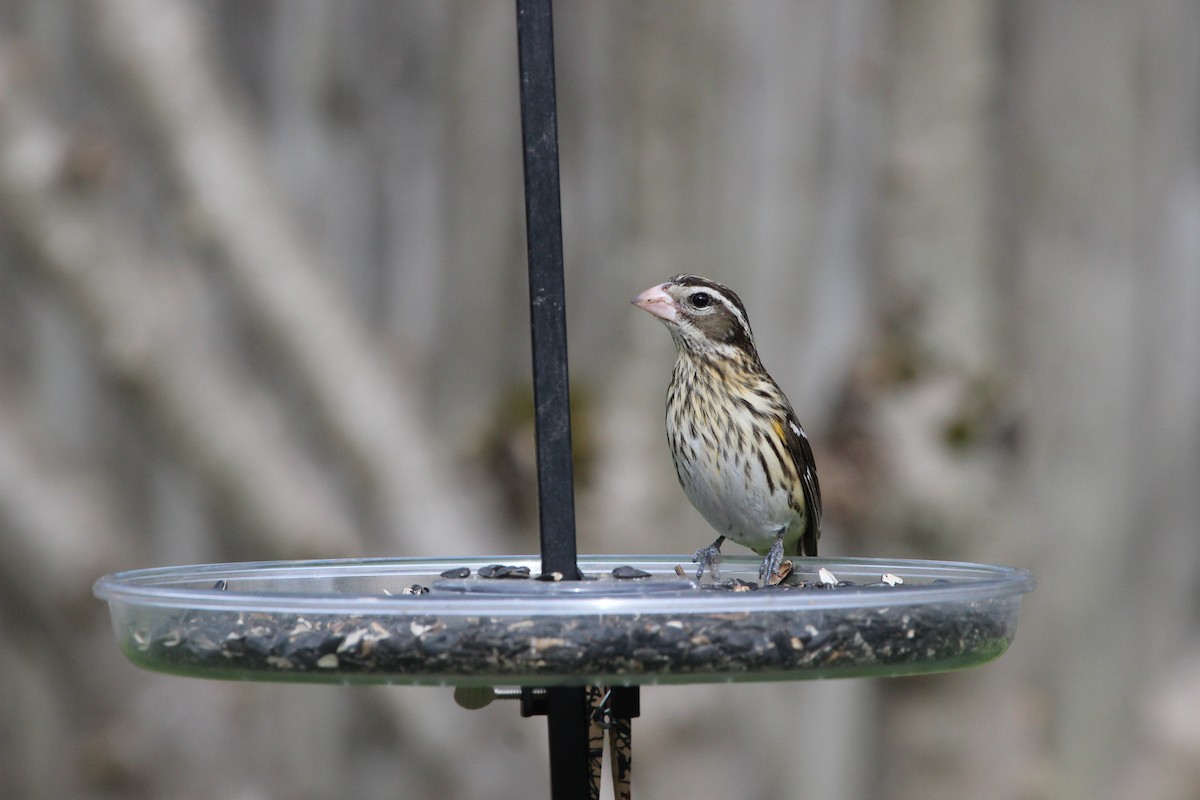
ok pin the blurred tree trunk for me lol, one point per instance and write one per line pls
(1105, 165)
(935, 417)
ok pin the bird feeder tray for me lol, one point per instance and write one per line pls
(632, 620)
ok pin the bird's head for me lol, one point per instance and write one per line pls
(705, 318)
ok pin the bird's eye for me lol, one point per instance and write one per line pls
(701, 300)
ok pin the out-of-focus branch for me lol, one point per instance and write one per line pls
(139, 315)
(163, 56)
(60, 533)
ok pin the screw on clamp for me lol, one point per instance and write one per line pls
(533, 700)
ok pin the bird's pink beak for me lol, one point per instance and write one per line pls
(657, 302)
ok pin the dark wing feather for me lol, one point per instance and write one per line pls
(806, 466)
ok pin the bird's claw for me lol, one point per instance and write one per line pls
(771, 563)
(708, 558)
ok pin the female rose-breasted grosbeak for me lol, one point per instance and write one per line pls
(742, 458)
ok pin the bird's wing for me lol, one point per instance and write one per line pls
(796, 441)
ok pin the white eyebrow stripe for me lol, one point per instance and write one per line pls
(737, 312)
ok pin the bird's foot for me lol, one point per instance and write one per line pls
(708, 558)
(769, 568)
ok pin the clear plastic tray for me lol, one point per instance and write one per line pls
(401, 621)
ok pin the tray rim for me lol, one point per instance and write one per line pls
(152, 588)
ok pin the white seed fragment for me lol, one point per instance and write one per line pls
(891, 580)
(547, 642)
(826, 577)
(351, 641)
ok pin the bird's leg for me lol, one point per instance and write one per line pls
(774, 558)
(709, 557)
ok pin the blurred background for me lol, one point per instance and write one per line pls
(262, 296)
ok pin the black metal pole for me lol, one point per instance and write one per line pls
(547, 297)
(567, 728)
(566, 710)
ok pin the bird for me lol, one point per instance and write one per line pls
(742, 459)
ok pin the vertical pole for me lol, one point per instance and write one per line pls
(567, 727)
(566, 710)
(547, 302)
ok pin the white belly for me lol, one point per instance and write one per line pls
(733, 497)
